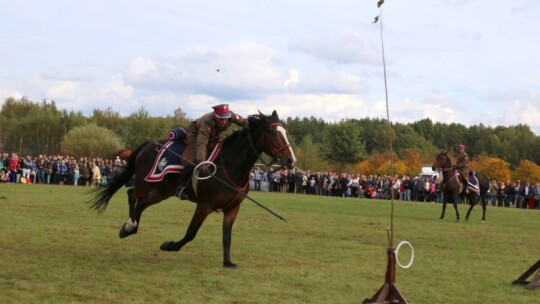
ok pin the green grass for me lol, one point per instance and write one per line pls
(54, 249)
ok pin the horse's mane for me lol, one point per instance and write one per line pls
(238, 146)
(256, 121)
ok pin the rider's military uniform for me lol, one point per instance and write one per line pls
(462, 164)
(204, 133)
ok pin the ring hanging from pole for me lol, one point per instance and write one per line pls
(412, 254)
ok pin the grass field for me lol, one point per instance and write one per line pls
(53, 249)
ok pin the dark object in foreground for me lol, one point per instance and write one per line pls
(535, 282)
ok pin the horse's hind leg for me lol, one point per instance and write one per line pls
(132, 223)
(136, 208)
(472, 201)
(456, 197)
(469, 211)
(484, 204)
(197, 220)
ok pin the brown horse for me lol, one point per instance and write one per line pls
(453, 188)
(224, 191)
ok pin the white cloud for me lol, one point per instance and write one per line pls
(293, 77)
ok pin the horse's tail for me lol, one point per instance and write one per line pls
(100, 201)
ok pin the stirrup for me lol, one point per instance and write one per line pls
(181, 193)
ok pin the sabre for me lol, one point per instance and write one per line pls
(226, 184)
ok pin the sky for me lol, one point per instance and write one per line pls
(452, 61)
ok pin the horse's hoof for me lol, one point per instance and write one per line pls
(466, 219)
(123, 233)
(441, 218)
(459, 220)
(483, 221)
(230, 265)
(169, 246)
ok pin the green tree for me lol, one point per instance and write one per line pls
(343, 144)
(91, 140)
(310, 157)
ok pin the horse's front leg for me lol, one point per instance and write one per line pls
(201, 212)
(443, 206)
(228, 220)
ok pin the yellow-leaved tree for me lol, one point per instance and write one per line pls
(527, 171)
(492, 167)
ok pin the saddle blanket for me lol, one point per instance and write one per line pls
(472, 184)
(169, 161)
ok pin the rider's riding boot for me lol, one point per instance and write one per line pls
(181, 192)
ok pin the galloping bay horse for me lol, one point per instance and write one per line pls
(239, 152)
(452, 187)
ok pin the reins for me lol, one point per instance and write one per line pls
(275, 151)
(441, 168)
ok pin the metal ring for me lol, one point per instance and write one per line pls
(206, 162)
(412, 254)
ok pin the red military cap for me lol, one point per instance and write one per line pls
(222, 111)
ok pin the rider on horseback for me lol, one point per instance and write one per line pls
(203, 134)
(462, 166)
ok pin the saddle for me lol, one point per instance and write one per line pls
(173, 157)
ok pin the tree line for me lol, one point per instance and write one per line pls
(33, 128)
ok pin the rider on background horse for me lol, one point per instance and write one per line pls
(204, 133)
(462, 166)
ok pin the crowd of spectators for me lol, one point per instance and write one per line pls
(58, 169)
(405, 188)
(96, 172)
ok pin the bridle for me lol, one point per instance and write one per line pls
(443, 159)
(268, 142)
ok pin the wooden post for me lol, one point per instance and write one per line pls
(388, 293)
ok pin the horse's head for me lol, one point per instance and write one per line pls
(441, 161)
(275, 142)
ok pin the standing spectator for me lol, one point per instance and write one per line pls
(407, 188)
(355, 184)
(62, 172)
(84, 171)
(518, 200)
(41, 167)
(304, 183)
(13, 166)
(427, 188)
(96, 175)
(536, 196)
(27, 165)
(493, 190)
(257, 178)
(292, 181)
(343, 185)
(414, 189)
(76, 172)
(501, 200)
(284, 181)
